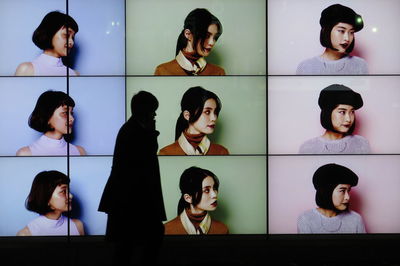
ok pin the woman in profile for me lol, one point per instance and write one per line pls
(50, 198)
(338, 26)
(55, 36)
(338, 104)
(200, 32)
(199, 189)
(199, 113)
(53, 116)
(333, 183)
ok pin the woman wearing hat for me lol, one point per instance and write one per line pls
(333, 183)
(338, 25)
(338, 104)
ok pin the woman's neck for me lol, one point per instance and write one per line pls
(326, 212)
(331, 54)
(330, 135)
(195, 211)
(54, 215)
(51, 52)
(53, 135)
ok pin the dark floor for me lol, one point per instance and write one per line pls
(237, 250)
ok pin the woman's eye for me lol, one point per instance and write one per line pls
(207, 112)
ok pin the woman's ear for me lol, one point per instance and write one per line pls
(188, 34)
(187, 198)
(186, 115)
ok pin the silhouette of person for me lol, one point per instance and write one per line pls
(132, 197)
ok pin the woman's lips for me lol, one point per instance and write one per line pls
(214, 204)
(212, 126)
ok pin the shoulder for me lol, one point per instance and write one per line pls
(79, 226)
(169, 68)
(362, 144)
(217, 149)
(359, 63)
(218, 227)
(24, 151)
(310, 145)
(25, 69)
(24, 232)
(174, 227)
(307, 66)
(172, 149)
(306, 215)
(214, 70)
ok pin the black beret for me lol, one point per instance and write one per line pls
(330, 175)
(339, 94)
(337, 13)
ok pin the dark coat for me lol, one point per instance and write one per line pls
(133, 190)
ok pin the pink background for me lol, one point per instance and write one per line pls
(293, 33)
(294, 114)
(376, 197)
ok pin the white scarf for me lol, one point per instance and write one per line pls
(204, 145)
(189, 227)
(187, 65)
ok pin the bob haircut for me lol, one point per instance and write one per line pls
(46, 104)
(143, 103)
(325, 38)
(43, 35)
(42, 189)
(198, 22)
(193, 101)
(326, 120)
(191, 183)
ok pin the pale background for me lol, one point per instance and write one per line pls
(293, 33)
(241, 125)
(294, 114)
(153, 27)
(376, 197)
(99, 44)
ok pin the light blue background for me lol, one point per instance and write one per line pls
(99, 44)
(99, 111)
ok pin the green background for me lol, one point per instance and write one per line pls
(241, 126)
(242, 192)
(153, 26)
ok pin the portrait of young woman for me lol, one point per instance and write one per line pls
(50, 198)
(333, 183)
(55, 36)
(52, 116)
(199, 189)
(338, 105)
(200, 33)
(338, 27)
(198, 118)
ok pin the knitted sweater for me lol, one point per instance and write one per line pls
(348, 65)
(313, 222)
(353, 144)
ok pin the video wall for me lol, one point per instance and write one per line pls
(66, 84)
(300, 132)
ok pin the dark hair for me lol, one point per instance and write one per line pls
(46, 104)
(143, 103)
(51, 23)
(193, 101)
(325, 180)
(198, 22)
(326, 120)
(325, 38)
(42, 189)
(191, 183)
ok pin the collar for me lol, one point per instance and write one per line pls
(189, 227)
(184, 63)
(202, 148)
(51, 60)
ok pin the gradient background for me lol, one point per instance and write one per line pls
(242, 211)
(153, 27)
(241, 126)
(293, 33)
(294, 114)
(99, 45)
(376, 197)
(99, 111)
